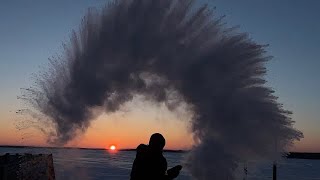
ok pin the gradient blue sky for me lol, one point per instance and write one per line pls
(32, 32)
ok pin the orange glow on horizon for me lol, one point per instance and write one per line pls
(113, 148)
(128, 130)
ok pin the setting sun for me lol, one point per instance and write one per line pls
(113, 147)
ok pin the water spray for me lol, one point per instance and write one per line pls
(171, 52)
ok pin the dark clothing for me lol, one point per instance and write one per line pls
(149, 165)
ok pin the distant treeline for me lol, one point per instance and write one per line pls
(301, 155)
(36, 147)
(290, 155)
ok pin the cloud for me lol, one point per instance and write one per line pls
(170, 52)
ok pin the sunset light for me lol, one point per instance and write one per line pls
(113, 148)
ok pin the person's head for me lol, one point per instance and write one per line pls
(157, 142)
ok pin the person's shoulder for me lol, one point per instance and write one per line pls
(142, 148)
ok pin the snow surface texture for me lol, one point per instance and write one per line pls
(171, 52)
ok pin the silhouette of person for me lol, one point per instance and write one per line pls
(150, 163)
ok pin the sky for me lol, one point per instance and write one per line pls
(30, 33)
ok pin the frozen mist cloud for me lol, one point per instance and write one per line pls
(171, 52)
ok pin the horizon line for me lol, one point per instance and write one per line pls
(86, 148)
(123, 149)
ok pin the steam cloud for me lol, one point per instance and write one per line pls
(171, 52)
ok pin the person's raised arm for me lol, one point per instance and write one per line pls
(173, 172)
